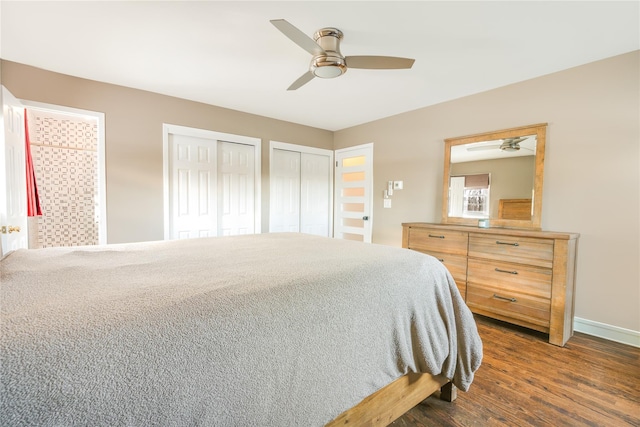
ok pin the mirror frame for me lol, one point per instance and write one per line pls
(540, 131)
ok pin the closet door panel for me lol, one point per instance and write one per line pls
(285, 191)
(315, 194)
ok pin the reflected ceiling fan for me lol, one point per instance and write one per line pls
(327, 61)
(508, 144)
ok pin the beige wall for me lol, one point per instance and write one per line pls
(133, 134)
(591, 182)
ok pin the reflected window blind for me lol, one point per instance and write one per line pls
(476, 181)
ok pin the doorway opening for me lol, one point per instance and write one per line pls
(67, 149)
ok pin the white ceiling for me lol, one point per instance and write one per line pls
(228, 53)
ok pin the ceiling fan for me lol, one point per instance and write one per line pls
(327, 61)
(508, 144)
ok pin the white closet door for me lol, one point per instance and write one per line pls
(301, 189)
(315, 194)
(193, 183)
(211, 183)
(236, 175)
(285, 191)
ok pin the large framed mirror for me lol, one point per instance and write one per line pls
(495, 179)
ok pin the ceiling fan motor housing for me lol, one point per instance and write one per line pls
(510, 146)
(330, 64)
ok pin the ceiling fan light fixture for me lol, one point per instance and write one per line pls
(510, 147)
(328, 67)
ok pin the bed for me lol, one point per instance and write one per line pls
(280, 329)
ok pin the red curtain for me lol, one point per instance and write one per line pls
(33, 201)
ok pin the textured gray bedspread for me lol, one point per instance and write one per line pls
(266, 330)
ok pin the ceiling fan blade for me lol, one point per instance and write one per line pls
(297, 36)
(302, 80)
(378, 62)
(516, 140)
(483, 147)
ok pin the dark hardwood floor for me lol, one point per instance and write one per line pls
(524, 381)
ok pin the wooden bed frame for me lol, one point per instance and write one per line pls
(391, 402)
(514, 209)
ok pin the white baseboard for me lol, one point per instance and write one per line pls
(609, 332)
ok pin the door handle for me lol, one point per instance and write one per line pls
(4, 229)
(365, 218)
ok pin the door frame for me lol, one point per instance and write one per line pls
(101, 151)
(277, 145)
(168, 129)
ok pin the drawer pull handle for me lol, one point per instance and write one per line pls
(498, 242)
(496, 296)
(435, 236)
(506, 271)
(440, 259)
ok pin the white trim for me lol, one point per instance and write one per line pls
(608, 332)
(165, 182)
(210, 134)
(357, 147)
(219, 136)
(299, 148)
(276, 145)
(102, 175)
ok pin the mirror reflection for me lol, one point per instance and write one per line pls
(493, 178)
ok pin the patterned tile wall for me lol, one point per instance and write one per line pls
(65, 159)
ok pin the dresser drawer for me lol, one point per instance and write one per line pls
(508, 277)
(510, 305)
(457, 266)
(523, 250)
(435, 240)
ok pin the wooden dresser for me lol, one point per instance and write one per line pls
(518, 276)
